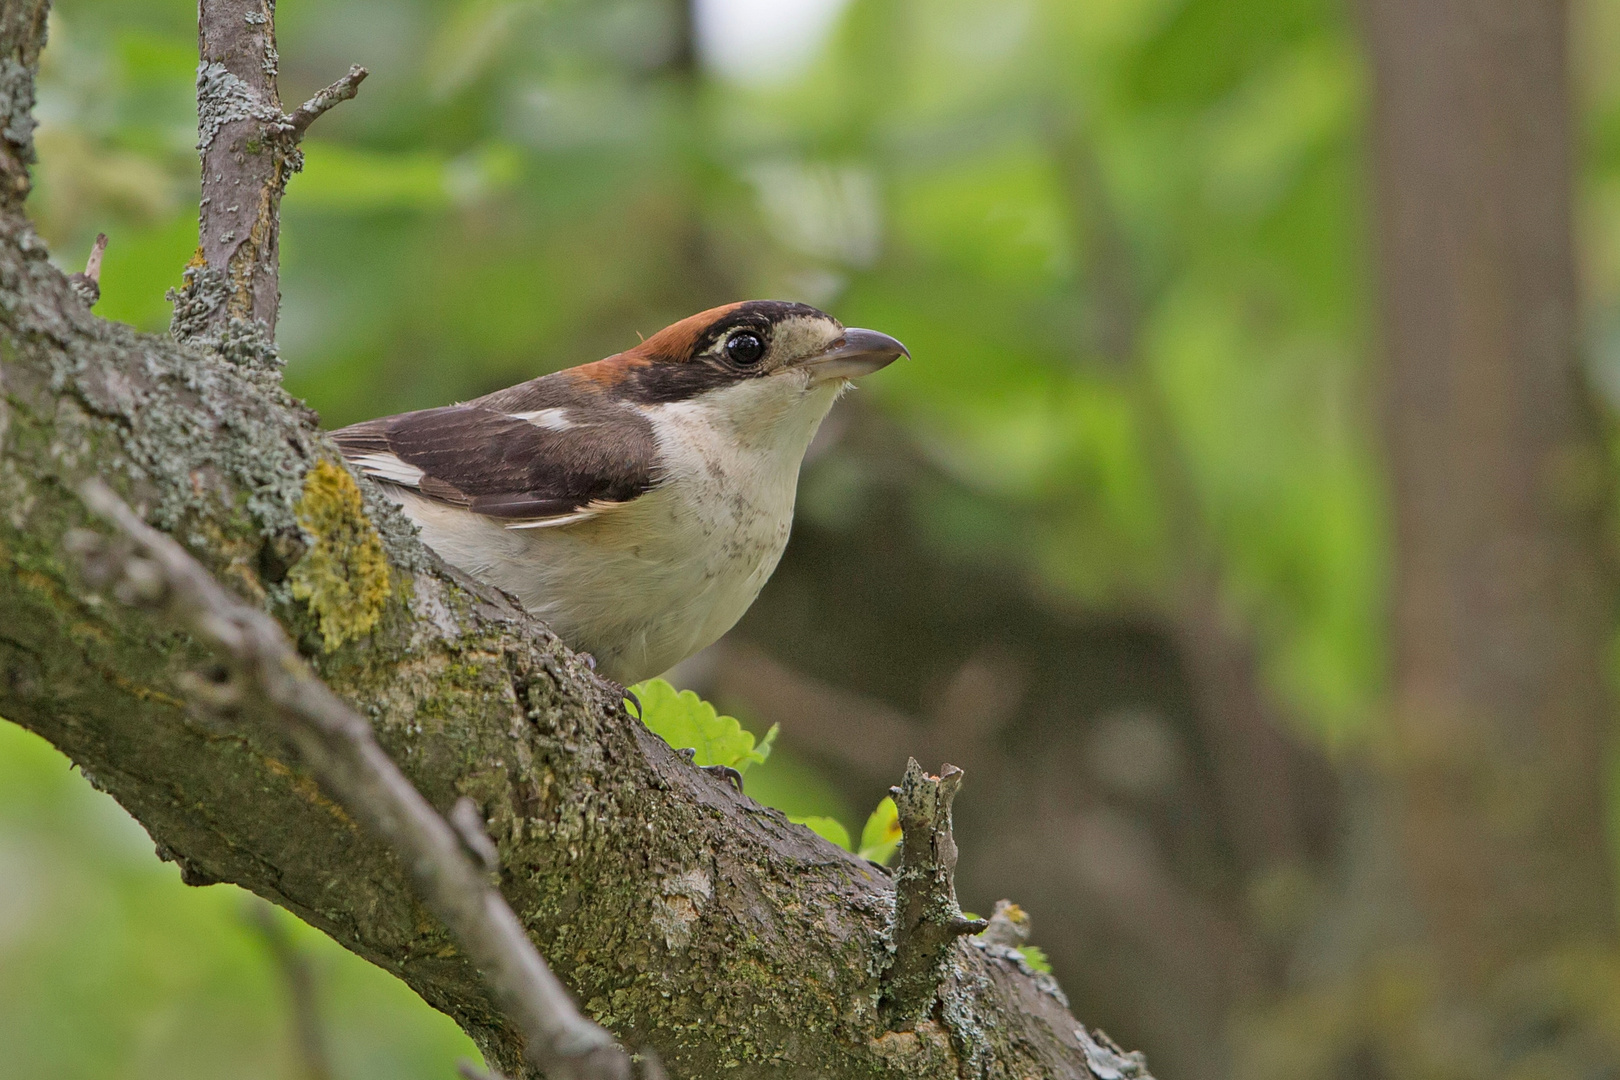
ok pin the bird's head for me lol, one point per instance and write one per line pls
(743, 343)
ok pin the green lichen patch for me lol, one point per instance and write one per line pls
(344, 577)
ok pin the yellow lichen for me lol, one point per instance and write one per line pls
(309, 791)
(344, 576)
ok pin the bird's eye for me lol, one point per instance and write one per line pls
(744, 350)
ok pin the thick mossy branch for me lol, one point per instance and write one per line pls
(604, 832)
(927, 918)
(266, 682)
(771, 944)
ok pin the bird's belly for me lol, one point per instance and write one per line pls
(671, 581)
(641, 587)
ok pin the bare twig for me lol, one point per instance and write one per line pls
(92, 265)
(88, 284)
(295, 972)
(337, 745)
(310, 111)
(927, 919)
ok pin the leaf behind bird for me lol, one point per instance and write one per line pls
(684, 720)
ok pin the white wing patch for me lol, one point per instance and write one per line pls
(554, 419)
(386, 466)
(584, 513)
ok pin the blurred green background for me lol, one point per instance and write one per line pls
(1126, 243)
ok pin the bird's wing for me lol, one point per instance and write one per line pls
(530, 470)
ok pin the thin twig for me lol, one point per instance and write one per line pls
(88, 284)
(468, 1070)
(308, 1034)
(345, 88)
(337, 745)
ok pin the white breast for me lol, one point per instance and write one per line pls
(647, 585)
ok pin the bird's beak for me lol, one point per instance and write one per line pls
(857, 353)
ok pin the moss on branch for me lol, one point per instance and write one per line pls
(343, 576)
(772, 941)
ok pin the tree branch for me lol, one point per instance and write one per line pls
(308, 1035)
(927, 918)
(274, 685)
(342, 90)
(22, 35)
(680, 913)
(249, 151)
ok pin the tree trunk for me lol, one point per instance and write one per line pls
(1502, 593)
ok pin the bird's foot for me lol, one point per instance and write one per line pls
(622, 693)
(722, 772)
(726, 773)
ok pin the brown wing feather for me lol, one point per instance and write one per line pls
(506, 467)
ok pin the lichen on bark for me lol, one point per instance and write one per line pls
(343, 576)
(769, 960)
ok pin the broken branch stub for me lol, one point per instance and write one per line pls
(312, 110)
(927, 918)
(88, 284)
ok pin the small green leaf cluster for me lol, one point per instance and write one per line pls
(879, 838)
(684, 720)
(1035, 957)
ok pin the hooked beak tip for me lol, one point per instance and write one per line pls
(859, 352)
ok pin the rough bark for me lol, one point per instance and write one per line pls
(263, 680)
(927, 918)
(245, 162)
(683, 915)
(249, 150)
(1503, 598)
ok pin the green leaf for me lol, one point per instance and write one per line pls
(825, 827)
(683, 720)
(1035, 957)
(881, 836)
(769, 741)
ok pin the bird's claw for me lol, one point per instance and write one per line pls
(688, 754)
(726, 773)
(622, 693)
